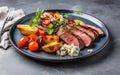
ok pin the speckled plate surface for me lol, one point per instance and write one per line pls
(97, 46)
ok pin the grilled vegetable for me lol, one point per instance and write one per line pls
(50, 38)
(57, 15)
(26, 29)
(52, 47)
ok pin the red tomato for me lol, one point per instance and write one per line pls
(46, 21)
(33, 46)
(23, 41)
(71, 21)
(51, 13)
(33, 37)
(41, 33)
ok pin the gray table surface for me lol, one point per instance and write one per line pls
(106, 62)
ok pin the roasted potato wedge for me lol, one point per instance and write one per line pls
(52, 47)
(26, 29)
(50, 38)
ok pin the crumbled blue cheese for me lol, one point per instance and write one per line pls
(68, 50)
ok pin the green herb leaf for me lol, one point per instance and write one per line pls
(31, 21)
(50, 31)
(35, 19)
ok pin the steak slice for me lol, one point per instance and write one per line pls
(60, 32)
(87, 31)
(70, 39)
(87, 40)
(98, 30)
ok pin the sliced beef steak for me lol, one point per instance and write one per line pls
(70, 39)
(87, 31)
(81, 35)
(60, 32)
(98, 30)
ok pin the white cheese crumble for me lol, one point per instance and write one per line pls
(90, 50)
(68, 50)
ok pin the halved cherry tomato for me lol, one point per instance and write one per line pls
(33, 37)
(46, 21)
(71, 21)
(41, 33)
(33, 46)
(23, 41)
(51, 13)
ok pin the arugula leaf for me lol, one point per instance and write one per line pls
(35, 19)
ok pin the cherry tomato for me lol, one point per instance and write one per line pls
(33, 46)
(23, 41)
(41, 33)
(71, 21)
(51, 13)
(46, 21)
(33, 37)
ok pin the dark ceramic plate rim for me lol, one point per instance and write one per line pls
(55, 60)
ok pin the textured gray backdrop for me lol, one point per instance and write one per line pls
(106, 62)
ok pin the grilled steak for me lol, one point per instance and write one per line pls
(81, 35)
(78, 35)
(70, 39)
(98, 30)
(60, 32)
(87, 31)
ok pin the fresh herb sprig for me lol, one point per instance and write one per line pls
(35, 19)
(78, 11)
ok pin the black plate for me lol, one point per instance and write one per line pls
(97, 46)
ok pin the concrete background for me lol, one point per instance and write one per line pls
(106, 62)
